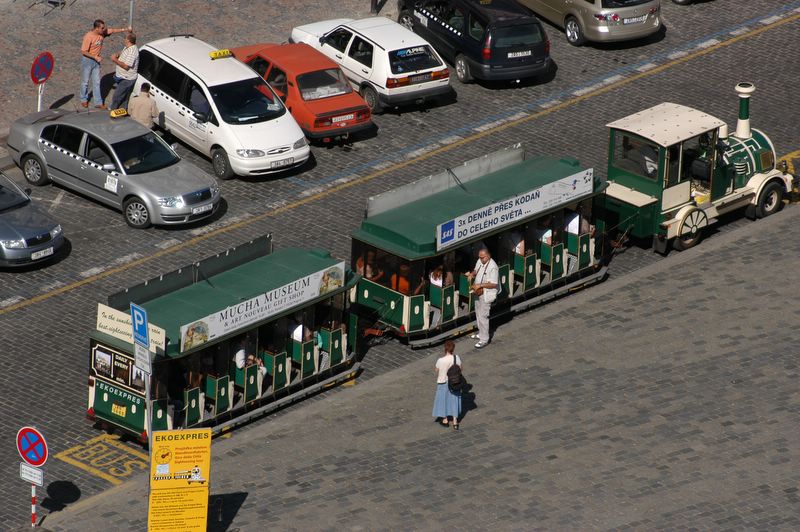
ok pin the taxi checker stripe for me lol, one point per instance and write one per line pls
(74, 156)
(398, 166)
(440, 21)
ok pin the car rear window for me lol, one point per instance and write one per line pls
(323, 84)
(518, 35)
(610, 4)
(413, 59)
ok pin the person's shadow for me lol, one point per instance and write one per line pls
(467, 399)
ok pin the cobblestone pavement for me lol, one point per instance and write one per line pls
(308, 208)
(663, 400)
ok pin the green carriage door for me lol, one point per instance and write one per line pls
(276, 366)
(191, 401)
(336, 350)
(531, 272)
(448, 303)
(159, 417)
(557, 262)
(251, 391)
(217, 391)
(505, 282)
(584, 251)
(388, 304)
(416, 318)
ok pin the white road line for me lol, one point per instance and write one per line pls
(168, 243)
(707, 44)
(645, 67)
(769, 20)
(10, 301)
(57, 201)
(740, 31)
(91, 271)
(550, 103)
(678, 55)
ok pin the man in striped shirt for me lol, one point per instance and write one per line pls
(126, 72)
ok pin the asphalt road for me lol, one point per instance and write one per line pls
(45, 314)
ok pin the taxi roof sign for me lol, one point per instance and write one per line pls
(118, 113)
(219, 54)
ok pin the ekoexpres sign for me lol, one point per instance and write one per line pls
(248, 312)
(512, 210)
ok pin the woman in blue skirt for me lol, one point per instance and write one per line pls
(446, 404)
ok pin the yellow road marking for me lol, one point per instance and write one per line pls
(789, 158)
(378, 173)
(105, 457)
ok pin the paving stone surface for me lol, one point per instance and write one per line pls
(325, 202)
(663, 400)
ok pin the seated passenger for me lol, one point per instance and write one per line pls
(401, 282)
(369, 268)
(516, 242)
(543, 232)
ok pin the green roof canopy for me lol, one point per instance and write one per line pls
(185, 305)
(409, 230)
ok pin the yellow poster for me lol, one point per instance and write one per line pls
(180, 464)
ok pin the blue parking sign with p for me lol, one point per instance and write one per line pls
(139, 319)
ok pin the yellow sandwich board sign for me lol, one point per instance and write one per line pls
(180, 464)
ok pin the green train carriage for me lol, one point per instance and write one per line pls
(232, 337)
(673, 170)
(505, 201)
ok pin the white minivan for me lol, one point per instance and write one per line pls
(386, 62)
(220, 107)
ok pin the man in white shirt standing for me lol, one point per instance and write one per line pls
(484, 279)
(126, 72)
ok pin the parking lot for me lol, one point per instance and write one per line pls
(705, 50)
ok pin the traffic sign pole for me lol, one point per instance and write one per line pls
(33, 505)
(39, 101)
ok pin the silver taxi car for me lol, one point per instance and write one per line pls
(115, 161)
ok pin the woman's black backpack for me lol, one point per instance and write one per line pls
(455, 380)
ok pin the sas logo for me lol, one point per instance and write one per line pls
(448, 231)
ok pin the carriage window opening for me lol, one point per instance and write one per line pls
(369, 263)
(407, 278)
(696, 155)
(672, 174)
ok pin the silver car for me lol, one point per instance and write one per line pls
(27, 233)
(600, 20)
(116, 161)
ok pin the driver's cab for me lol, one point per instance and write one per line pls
(668, 153)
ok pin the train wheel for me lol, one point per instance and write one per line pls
(691, 231)
(770, 201)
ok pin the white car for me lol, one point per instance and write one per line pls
(387, 63)
(219, 106)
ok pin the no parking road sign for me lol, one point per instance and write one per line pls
(42, 67)
(31, 446)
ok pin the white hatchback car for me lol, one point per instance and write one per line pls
(220, 107)
(387, 63)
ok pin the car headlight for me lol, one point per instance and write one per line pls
(174, 201)
(12, 244)
(249, 154)
(300, 143)
(54, 232)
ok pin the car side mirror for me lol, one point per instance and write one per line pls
(322, 40)
(201, 117)
(109, 167)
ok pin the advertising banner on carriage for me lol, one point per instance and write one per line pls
(180, 465)
(119, 324)
(512, 210)
(271, 303)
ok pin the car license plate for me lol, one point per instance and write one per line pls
(118, 410)
(281, 163)
(634, 20)
(202, 208)
(342, 118)
(525, 53)
(41, 253)
(419, 78)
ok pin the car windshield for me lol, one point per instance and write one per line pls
(10, 197)
(143, 154)
(323, 84)
(413, 59)
(611, 4)
(247, 101)
(519, 35)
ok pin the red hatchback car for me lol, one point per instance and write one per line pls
(313, 87)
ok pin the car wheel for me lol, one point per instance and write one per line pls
(770, 201)
(406, 19)
(136, 213)
(690, 232)
(221, 164)
(462, 69)
(371, 97)
(573, 31)
(35, 171)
